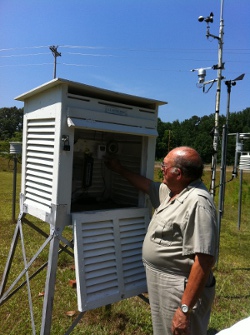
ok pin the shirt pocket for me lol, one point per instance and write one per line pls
(163, 232)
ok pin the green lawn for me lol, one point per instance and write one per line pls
(131, 316)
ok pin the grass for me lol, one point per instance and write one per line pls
(129, 316)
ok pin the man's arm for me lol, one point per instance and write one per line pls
(138, 181)
(196, 283)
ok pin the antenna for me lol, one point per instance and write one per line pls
(56, 54)
(219, 67)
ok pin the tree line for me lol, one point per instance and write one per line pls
(197, 132)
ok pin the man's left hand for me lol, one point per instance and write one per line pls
(181, 323)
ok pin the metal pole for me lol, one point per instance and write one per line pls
(237, 150)
(240, 199)
(222, 177)
(54, 67)
(14, 189)
(223, 160)
(55, 54)
(217, 105)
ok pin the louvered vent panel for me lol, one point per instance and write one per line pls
(99, 252)
(108, 261)
(40, 160)
(132, 232)
(98, 278)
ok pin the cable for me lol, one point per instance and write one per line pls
(247, 51)
(21, 55)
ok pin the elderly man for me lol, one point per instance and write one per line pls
(180, 246)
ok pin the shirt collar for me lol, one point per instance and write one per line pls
(186, 191)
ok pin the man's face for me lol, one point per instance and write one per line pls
(167, 170)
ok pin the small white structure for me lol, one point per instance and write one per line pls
(67, 129)
(240, 328)
(244, 163)
(241, 163)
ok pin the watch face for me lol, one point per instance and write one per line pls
(184, 308)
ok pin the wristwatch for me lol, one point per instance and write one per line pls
(184, 308)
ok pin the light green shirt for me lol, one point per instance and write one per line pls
(180, 228)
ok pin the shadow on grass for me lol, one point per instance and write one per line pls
(212, 331)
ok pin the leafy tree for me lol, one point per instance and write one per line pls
(176, 134)
(162, 144)
(11, 122)
(198, 132)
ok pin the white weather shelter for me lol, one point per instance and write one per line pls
(68, 127)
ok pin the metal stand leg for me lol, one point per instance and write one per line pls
(56, 228)
(75, 322)
(50, 287)
(27, 279)
(9, 260)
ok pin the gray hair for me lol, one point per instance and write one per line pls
(190, 165)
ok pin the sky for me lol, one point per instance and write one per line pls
(140, 47)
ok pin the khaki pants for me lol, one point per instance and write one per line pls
(165, 292)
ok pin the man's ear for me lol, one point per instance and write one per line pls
(177, 171)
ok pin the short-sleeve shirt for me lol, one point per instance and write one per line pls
(180, 228)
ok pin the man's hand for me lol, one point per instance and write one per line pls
(113, 164)
(140, 182)
(181, 323)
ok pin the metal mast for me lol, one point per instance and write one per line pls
(56, 54)
(229, 84)
(218, 95)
